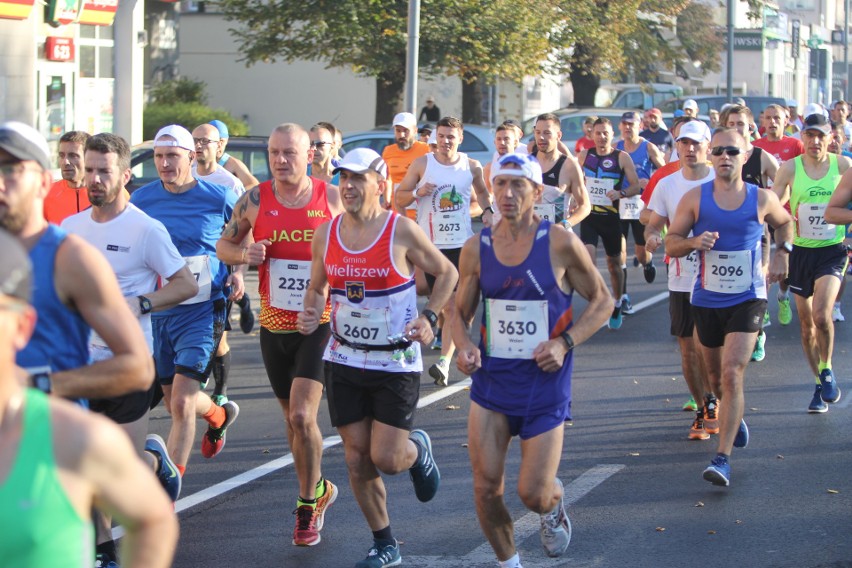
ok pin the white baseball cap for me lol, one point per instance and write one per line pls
(181, 138)
(690, 104)
(695, 130)
(518, 165)
(405, 119)
(361, 160)
(814, 108)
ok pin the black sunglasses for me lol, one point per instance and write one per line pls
(729, 150)
(320, 144)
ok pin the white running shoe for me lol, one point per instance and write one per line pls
(556, 529)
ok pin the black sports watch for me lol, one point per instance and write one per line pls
(42, 382)
(568, 339)
(785, 246)
(431, 316)
(490, 209)
(145, 305)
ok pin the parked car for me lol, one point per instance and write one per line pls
(478, 141)
(636, 95)
(250, 149)
(706, 102)
(572, 119)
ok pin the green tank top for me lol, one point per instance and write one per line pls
(39, 526)
(808, 199)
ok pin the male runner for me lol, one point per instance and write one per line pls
(692, 142)
(206, 168)
(75, 290)
(186, 336)
(606, 169)
(657, 134)
(281, 215)
(366, 256)
(522, 368)
(506, 141)
(726, 217)
(322, 141)
(139, 251)
(818, 258)
(646, 157)
(58, 462)
(587, 140)
(399, 155)
(564, 199)
(441, 184)
(68, 195)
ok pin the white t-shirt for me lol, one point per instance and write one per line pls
(221, 177)
(137, 247)
(664, 201)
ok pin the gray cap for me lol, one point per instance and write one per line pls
(24, 143)
(15, 268)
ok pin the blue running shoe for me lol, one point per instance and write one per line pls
(818, 405)
(437, 344)
(615, 320)
(830, 390)
(167, 472)
(741, 440)
(103, 561)
(381, 556)
(424, 473)
(626, 305)
(719, 471)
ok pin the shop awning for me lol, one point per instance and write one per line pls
(16, 9)
(98, 12)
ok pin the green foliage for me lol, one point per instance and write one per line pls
(180, 90)
(188, 115)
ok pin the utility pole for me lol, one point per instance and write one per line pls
(730, 73)
(412, 63)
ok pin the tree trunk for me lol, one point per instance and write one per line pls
(389, 93)
(584, 82)
(471, 101)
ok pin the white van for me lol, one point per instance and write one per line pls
(636, 95)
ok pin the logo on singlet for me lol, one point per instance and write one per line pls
(607, 163)
(117, 248)
(355, 292)
(316, 213)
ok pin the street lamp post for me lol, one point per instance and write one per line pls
(730, 70)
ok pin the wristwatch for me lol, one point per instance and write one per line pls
(785, 246)
(431, 316)
(568, 339)
(145, 305)
(41, 381)
(490, 209)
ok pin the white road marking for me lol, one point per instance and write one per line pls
(525, 527)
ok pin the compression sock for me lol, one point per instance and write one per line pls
(624, 272)
(215, 416)
(823, 365)
(383, 536)
(181, 469)
(221, 370)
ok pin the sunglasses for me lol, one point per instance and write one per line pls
(729, 150)
(320, 144)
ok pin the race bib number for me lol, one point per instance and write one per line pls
(810, 223)
(448, 227)
(514, 328)
(597, 189)
(288, 282)
(362, 326)
(545, 211)
(629, 208)
(200, 268)
(727, 272)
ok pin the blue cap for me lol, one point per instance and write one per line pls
(678, 113)
(221, 127)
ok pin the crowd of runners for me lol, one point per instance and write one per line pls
(112, 302)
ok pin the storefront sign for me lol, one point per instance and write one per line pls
(98, 12)
(746, 40)
(16, 9)
(62, 12)
(59, 49)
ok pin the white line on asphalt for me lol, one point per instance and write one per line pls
(248, 476)
(525, 527)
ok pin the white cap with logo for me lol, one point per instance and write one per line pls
(694, 130)
(362, 160)
(405, 119)
(518, 165)
(181, 138)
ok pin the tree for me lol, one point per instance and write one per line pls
(184, 101)
(471, 39)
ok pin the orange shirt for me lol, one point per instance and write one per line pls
(63, 201)
(398, 162)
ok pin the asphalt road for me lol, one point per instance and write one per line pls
(633, 479)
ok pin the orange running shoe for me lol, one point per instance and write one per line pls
(698, 431)
(711, 415)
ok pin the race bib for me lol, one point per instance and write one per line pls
(810, 222)
(597, 188)
(629, 208)
(727, 272)
(514, 328)
(200, 268)
(288, 282)
(687, 266)
(362, 326)
(448, 227)
(545, 211)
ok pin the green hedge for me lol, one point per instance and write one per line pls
(188, 115)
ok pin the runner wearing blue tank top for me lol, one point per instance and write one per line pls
(57, 460)
(522, 367)
(186, 336)
(77, 291)
(726, 217)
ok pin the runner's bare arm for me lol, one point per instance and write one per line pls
(239, 169)
(404, 195)
(837, 211)
(180, 286)
(335, 206)
(317, 292)
(483, 198)
(653, 230)
(656, 156)
(783, 181)
(469, 357)
(233, 247)
(769, 166)
(85, 282)
(634, 186)
(575, 184)
(777, 217)
(125, 487)
(677, 243)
